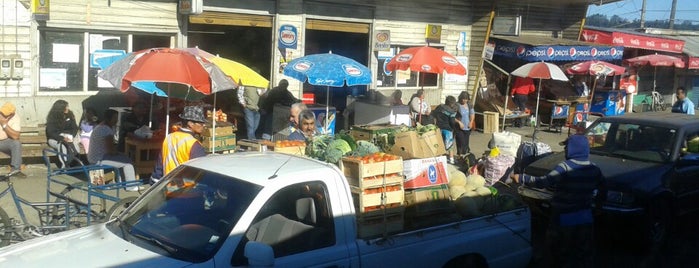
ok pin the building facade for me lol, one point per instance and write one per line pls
(54, 53)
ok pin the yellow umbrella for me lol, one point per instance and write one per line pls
(240, 73)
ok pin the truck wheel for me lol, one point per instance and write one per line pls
(471, 260)
(659, 220)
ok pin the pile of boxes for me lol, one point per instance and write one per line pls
(222, 137)
(378, 194)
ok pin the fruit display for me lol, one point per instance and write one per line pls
(374, 158)
(288, 143)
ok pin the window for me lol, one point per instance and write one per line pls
(401, 79)
(60, 61)
(296, 219)
(67, 58)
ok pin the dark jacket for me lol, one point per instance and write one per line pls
(575, 180)
(445, 117)
(277, 95)
(65, 125)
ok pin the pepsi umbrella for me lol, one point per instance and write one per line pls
(329, 70)
(540, 70)
(655, 60)
(598, 69)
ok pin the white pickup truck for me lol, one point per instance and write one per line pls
(269, 209)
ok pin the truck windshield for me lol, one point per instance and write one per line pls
(188, 215)
(632, 141)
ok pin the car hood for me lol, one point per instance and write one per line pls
(620, 174)
(92, 246)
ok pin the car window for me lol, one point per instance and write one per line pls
(632, 141)
(188, 215)
(296, 219)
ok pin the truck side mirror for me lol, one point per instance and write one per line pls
(259, 254)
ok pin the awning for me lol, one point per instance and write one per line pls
(536, 48)
(630, 39)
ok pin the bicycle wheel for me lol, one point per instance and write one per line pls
(5, 228)
(76, 196)
(119, 207)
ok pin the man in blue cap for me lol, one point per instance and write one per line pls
(570, 231)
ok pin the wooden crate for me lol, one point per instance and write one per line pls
(354, 168)
(374, 132)
(296, 150)
(222, 129)
(371, 199)
(378, 226)
(221, 143)
(490, 122)
(375, 181)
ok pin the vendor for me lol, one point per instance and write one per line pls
(307, 127)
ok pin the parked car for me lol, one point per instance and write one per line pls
(270, 209)
(651, 165)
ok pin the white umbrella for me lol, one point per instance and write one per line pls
(540, 70)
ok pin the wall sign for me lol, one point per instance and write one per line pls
(288, 37)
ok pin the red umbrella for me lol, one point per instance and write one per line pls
(594, 67)
(655, 60)
(426, 59)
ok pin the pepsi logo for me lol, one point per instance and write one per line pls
(520, 51)
(559, 110)
(288, 37)
(352, 70)
(613, 51)
(579, 117)
(404, 58)
(593, 52)
(572, 51)
(449, 60)
(303, 66)
(549, 52)
(425, 68)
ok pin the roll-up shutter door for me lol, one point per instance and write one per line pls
(221, 18)
(337, 26)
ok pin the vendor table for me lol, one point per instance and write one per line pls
(144, 153)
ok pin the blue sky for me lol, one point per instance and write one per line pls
(655, 9)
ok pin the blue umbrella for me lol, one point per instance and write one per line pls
(329, 70)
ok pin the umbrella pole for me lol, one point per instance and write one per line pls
(150, 114)
(327, 109)
(507, 97)
(536, 113)
(167, 112)
(213, 125)
(592, 95)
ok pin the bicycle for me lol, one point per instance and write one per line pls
(87, 200)
(656, 101)
(52, 218)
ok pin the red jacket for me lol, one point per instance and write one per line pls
(523, 86)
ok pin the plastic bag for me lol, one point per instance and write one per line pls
(143, 132)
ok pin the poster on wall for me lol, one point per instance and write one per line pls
(455, 78)
(40, 9)
(382, 40)
(288, 37)
(433, 33)
(66, 53)
(52, 77)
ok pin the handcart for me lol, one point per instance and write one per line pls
(88, 190)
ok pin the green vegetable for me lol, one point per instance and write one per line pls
(335, 150)
(365, 148)
(352, 143)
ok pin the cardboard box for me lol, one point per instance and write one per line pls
(428, 201)
(425, 172)
(222, 129)
(222, 143)
(410, 145)
(373, 133)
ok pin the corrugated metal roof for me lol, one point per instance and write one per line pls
(691, 44)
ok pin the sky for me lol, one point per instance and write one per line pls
(655, 10)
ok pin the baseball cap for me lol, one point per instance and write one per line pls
(7, 109)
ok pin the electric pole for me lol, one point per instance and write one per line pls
(643, 15)
(672, 14)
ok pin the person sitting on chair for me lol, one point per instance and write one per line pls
(103, 149)
(9, 138)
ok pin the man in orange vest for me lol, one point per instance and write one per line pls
(181, 146)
